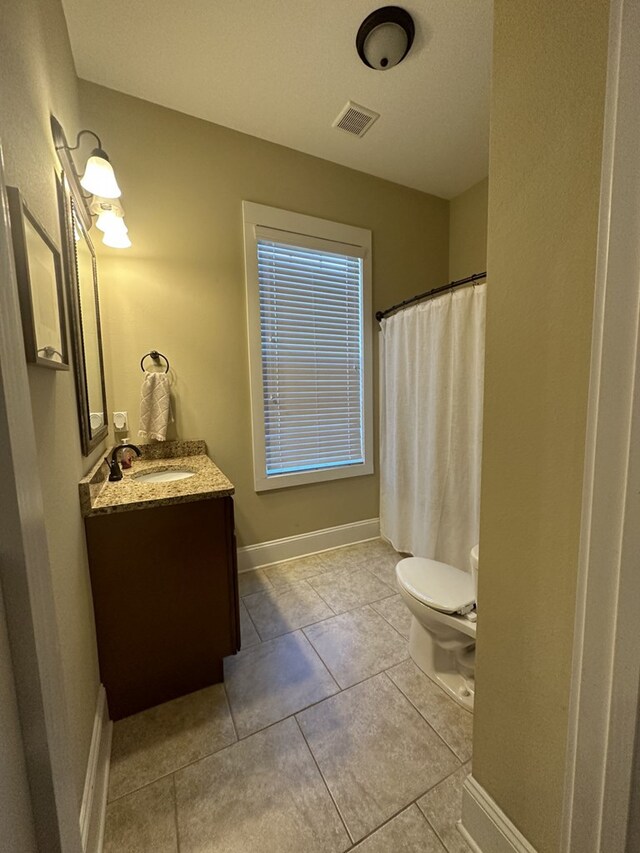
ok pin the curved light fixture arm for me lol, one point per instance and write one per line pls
(82, 133)
(69, 169)
(77, 189)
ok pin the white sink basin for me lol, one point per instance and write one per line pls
(163, 476)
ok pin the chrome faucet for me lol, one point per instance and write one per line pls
(115, 472)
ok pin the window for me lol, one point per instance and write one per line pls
(309, 314)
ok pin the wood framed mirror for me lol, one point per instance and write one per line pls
(84, 320)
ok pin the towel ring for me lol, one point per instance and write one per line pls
(156, 356)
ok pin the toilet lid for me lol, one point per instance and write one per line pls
(437, 585)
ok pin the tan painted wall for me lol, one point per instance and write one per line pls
(181, 289)
(16, 817)
(468, 231)
(38, 78)
(546, 126)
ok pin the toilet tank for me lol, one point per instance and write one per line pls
(473, 558)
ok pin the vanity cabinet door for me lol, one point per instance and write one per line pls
(165, 597)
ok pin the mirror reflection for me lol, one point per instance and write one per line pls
(88, 305)
(84, 316)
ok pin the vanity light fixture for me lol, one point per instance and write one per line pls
(99, 181)
(109, 220)
(117, 240)
(385, 37)
(111, 224)
(110, 213)
(99, 177)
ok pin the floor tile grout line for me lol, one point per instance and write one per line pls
(175, 810)
(331, 570)
(304, 708)
(415, 707)
(366, 677)
(331, 676)
(325, 783)
(382, 580)
(240, 738)
(405, 638)
(437, 686)
(325, 601)
(363, 568)
(245, 594)
(372, 606)
(286, 633)
(250, 616)
(306, 578)
(255, 628)
(272, 591)
(160, 778)
(413, 802)
(177, 770)
(299, 627)
(319, 554)
(326, 619)
(340, 690)
(393, 817)
(334, 571)
(439, 836)
(233, 722)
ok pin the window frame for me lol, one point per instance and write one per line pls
(292, 225)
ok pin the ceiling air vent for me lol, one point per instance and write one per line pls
(355, 119)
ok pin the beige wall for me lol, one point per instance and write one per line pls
(181, 289)
(546, 126)
(16, 817)
(38, 78)
(468, 231)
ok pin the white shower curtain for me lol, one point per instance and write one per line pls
(432, 365)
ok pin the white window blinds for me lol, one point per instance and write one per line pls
(311, 335)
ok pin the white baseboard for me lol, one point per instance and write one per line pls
(94, 797)
(266, 553)
(484, 825)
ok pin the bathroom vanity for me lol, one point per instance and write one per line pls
(162, 557)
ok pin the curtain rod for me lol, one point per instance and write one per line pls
(477, 276)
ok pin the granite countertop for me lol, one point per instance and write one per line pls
(98, 496)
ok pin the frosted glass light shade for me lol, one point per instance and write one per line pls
(99, 178)
(109, 222)
(385, 37)
(385, 45)
(116, 240)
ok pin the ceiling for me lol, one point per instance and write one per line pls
(283, 69)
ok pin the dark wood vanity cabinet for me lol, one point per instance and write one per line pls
(165, 594)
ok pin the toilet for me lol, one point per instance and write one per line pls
(442, 637)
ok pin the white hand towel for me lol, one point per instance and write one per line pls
(155, 406)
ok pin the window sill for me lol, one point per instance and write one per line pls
(303, 478)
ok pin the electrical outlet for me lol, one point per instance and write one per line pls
(120, 421)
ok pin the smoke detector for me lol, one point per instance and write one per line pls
(355, 119)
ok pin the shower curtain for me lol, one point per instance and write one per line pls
(432, 364)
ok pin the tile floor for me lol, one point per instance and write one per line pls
(325, 736)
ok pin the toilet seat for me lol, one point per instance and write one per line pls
(437, 585)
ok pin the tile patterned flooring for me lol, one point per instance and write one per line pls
(325, 736)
